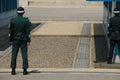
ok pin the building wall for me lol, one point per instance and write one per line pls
(107, 13)
(7, 10)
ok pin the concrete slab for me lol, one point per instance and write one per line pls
(59, 28)
(64, 3)
(62, 76)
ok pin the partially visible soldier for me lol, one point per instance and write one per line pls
(19, 36)
(114, 33)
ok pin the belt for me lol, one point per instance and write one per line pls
(19, 34)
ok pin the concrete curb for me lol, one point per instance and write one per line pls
(64, 6)
(64, 70)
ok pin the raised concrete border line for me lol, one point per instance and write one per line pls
(92, 48)
(63, 70)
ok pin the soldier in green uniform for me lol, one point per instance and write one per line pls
(114, 33)
(19, 36)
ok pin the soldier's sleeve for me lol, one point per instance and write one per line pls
(11, 32)
(28, 30)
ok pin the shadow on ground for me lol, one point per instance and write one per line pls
(101, 48)
(4, 40)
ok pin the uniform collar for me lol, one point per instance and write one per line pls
(20, 16)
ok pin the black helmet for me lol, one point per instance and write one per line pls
(116, 11)
(20, 10)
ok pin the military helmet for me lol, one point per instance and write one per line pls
(20, 10)
(116, 11)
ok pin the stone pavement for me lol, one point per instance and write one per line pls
(63, 45)
(60, 29)
(60, 47)
(63, 76)
(78, 74)
(54, 45)
(63, 3)
(49, 51)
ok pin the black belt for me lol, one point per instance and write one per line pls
(19, 34)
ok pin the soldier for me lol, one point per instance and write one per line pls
(19, 36)
(114, 33)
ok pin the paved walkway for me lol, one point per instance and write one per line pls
(60, 45)
(48, 51)
(55, 45)
(65, 45)
(64, 3)
(62, 48)
(62, 76)
(59, 29)
(52, 28)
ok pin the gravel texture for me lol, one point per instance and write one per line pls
(47, 52)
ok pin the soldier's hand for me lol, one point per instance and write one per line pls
(108, 34)
(28, 43)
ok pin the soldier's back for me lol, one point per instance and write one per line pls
(19, 24)
(115, 26)
(115, 23)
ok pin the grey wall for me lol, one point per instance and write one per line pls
(7, 10)
(5, 17)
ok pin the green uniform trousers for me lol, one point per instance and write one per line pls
(15, 48)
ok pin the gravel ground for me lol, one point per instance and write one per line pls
(47, 52)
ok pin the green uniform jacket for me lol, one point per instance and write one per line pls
(114, 28)
(19, 25)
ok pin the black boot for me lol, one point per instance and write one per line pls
(25, 72)
(109, 61)
(13, 71)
